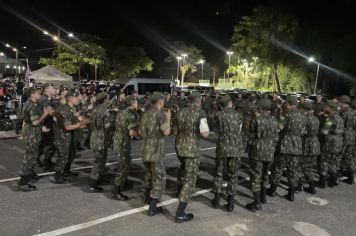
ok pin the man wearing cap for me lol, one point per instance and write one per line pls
(33, 115)
(125, 129)
(332, 129)
(290, 148)
(182, 100)
(47, 147)
(319, 105)
(229, 148)
(191, 122)
(348, 157)
(155, 125)
(99, 125)
(311, 148)
(263, 139)
(66, 124)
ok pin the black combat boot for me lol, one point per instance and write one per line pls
(300, 186)
(311, 189)
(60, 179)
(350, 178)
(93, 186)
(333, 180)
(272, 190)
(230, 203)
(256, 204)
(128, 185)
(34, 177)
(117, 194)
(263, 195)
(153, 209)
(146, 198)
(322, 181)
(24, 186)
(290, 195)
(216, 201)
(179, 189)
(181, 216)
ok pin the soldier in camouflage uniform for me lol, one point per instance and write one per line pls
(290, 148)
(182, 100)
(125, 129)
(65, 124)
(47, 147)
(349, 150)
(263, 139)
(191, 122)
(331, 151)
(155, 124)
(33, 116)
(229, 149)
(99, 125)
(311, 148)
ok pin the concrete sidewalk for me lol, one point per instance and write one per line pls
(10, 134)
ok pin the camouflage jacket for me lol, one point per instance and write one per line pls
(293, 122)
(64, 116)
(349, 117)
(125, 121)
(31, 112)
(99, 124)
(333, 129)
(318, 107)
(263, 137)
(228, 125)
(311, 144)
(153, 123)
(188, 120)
(182, 102)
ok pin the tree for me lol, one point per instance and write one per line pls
(189, 62)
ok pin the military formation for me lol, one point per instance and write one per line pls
(311, 143)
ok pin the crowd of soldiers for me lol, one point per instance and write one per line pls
(312, 143)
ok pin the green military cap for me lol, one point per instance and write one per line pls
(129, 99)
(293, 100)
(30, 91)
(194, 96)
(353, 103)
(101, 96)
(307, 106)
(46, 85)
(224, 100)
(63, 88)
(344, 99)
(156, 96)
(264, 103)
(331, 104)
(71, 94)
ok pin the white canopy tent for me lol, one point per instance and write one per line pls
(49, 74)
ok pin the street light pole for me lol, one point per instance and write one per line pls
(229, 53)
(178, 60)
(202, 68)
(316, 78)
(184, 55)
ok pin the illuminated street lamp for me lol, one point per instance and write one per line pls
(312, 59)
(45, 32)
(202, 68)
(55, 38)
(184, 55)
(7, 45)
(2, 54)
(71, 35)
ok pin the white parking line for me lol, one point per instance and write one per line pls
(89, 167)
(92, 223)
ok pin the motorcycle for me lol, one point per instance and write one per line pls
(9, 119)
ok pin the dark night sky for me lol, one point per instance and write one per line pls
(151, 24)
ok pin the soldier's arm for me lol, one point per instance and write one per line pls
(36, 117)
(165, 126)
(67, 122)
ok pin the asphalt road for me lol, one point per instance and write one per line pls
(71, 210)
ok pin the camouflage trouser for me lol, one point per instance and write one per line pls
(47, 148)
(123, 163)
(259, 174)
(308, 168)
(99, 163)
(155, 178)
(282, 161)
(348, 158)
(189, 170)
(231, 165)
(329, 162)
(29, 160)
(62, 156)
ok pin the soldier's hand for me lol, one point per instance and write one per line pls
(116, 109)
(47, 110)
(45, 129)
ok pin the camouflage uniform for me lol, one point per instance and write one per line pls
(99, 124)
(187, 148)
(349, 149)
(228, 149)
(31, 136)
(290, 147)
(125, 121)
(153, 123)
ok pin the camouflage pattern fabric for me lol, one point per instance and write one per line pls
(349, 140)
(230, 164)
(289, 162)
(191, 171)
(155, 178)
(259, 174)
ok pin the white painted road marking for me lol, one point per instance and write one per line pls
(89, 167)
(307, 229)
(317, 201)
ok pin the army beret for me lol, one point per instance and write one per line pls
(331, 104)
(307, 106)
(264, 103)
(224, 100)
(293, 100)
(46, 85)
(353, 104)
(156, 96)
(194, 96)
(344, 99)
(101, 96)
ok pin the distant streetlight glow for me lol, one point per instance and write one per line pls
(311, 59)
(202, 61)
(2, 54)
(14, 49)
(55, 38)
(45, 32)
(24, 47)
(70, 35)
(7, 45)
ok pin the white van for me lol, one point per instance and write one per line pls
(144, 85)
